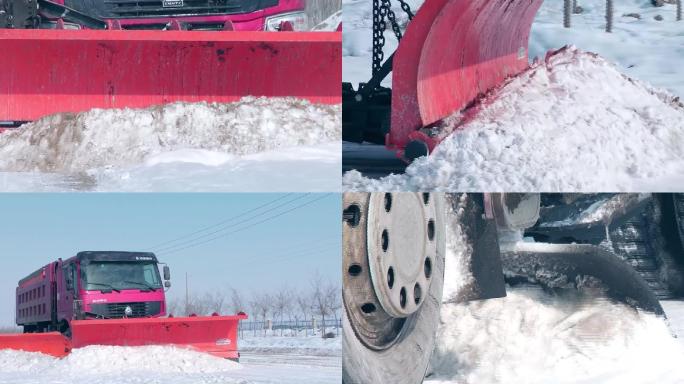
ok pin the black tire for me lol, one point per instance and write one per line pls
(406, 360)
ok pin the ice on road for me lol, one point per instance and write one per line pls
(256, 144)
(572, 122)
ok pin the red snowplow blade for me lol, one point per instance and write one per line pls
(52, 71)
(52, 343)
(453, 51)
(216, 335)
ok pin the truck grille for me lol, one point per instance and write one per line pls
(124, 9)
(118, 310)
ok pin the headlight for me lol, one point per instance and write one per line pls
(298, 19)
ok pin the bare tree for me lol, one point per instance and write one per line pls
(324, 296)
(261, 304)
(281, 303)
(237, 303)
(567, 13)
(199, 305)
(303, 303)
(334, 299)
(216, 301)
(609, 16)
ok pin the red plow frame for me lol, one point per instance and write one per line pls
(215, 335)
(53, 71)
(452, 52)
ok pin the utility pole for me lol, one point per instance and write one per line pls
(186, 293)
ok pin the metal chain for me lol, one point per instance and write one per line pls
(378, 35)
(392, 18)
(382, 10)
(406, 8)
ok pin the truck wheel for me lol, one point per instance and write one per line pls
(393, 268)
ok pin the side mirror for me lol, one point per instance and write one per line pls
(167, 273)
(167, 284)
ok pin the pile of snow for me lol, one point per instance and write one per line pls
(572, 122)
(103, 364)
(532, 337)
(115, 138)
(256, 144)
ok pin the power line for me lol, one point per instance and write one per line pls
(270, 218)
(170, 247)
(219, 223)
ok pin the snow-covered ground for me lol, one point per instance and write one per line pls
(264, 360)
(645, 48)
(573, 122)
(256, 144)
(532, 336)
(312, 345)
(617, 115)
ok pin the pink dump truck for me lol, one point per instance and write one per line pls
(110, 298)
(91, 285)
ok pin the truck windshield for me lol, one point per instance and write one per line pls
(117, 275)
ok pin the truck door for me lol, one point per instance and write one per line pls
(67, 291)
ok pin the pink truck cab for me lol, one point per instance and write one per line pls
(91, 285)
(241, 15)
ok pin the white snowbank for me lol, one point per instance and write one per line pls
(115, 138)
(531, 337)
(103, 364)
(256, 144)
(570, 123)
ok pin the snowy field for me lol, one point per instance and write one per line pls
(256, 144)
(531, 336)
(617, 114)
(264, 360)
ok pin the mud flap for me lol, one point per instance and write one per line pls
(216, 335)
(52, 343)
(487, 41)
(53, 71)
(578, 265)
(485, 263)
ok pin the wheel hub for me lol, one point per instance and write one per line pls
(401, 249)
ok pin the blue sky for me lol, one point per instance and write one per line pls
(251, 250)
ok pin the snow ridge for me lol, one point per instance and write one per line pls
(71, 143)
(572, 122)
